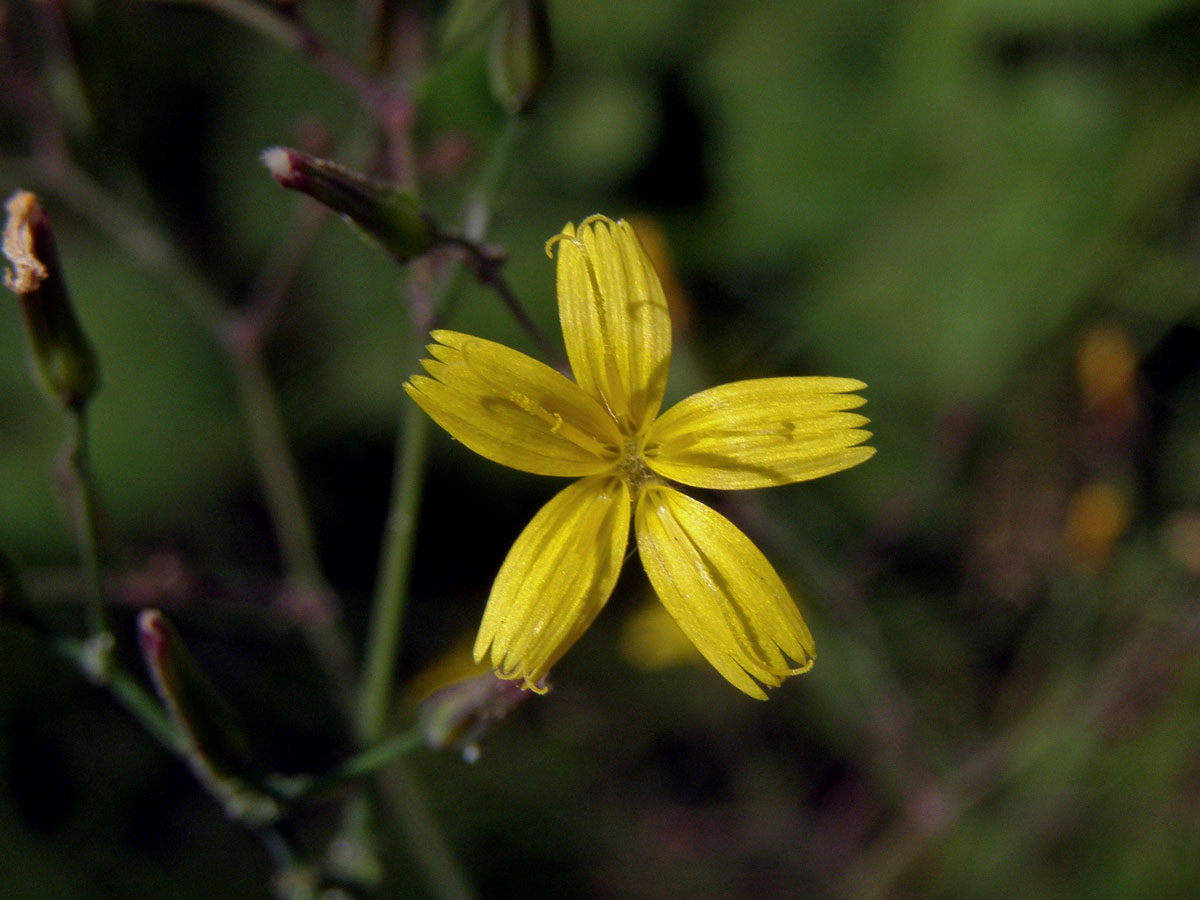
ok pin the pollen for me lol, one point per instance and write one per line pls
(557, 425)
(632, 468)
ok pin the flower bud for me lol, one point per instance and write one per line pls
(460, 714)
(521, 54)
(63, 357)
(389, 216)
(212, 740)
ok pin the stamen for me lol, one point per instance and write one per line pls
(633, 470)
(538, 687)
(554, 421)
(515, 673)
(598, 217)
(558, 425)
(800, 670)
(570, 238)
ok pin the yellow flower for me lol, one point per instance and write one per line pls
(604, 429)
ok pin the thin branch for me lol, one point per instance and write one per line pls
(486, 263)
(391, 591)
(140, 703)
(936, 810)
(367, 762)
(88, 526)
(290, 32)
(127, 691)
(268, 440)
(425, 836)
(65, 77)
(258, 402)
(264, 301)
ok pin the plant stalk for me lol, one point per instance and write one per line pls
(391, 591)
(88, 530)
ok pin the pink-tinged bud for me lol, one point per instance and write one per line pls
(390, 217)
(211, 737)
(460, 715)
(521, 54)
(63, 357)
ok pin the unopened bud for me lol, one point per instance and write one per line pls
(388, 215)
(212, 740)
(63, 357)
(460, 715)
(521, 53)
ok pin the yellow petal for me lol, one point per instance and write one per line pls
(760, 433)
(614, 318)
(721, 590)
(556, 578)
(513, 409)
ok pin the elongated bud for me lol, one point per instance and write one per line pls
(389, 216)
(213, 742)
(459, 715)
(521, 54)
(63, 357)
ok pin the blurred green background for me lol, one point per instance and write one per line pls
(988, 210)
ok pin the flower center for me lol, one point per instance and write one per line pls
(632, 468)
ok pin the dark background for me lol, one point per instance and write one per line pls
(989, 211)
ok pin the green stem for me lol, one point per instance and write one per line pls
(275, 464)
(258, 402)
(487, 265)
(259, 405)
(138, 702)
(425, 836)
(318, 615)
(292, 33)
(391, 590)
(88, 528)
(493, 174)
(369, 760)
(365, 763)
(144, 707)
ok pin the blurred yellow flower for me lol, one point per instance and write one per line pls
(604, 429)
(1105, 364)
(651, 640)
(1097, 517)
